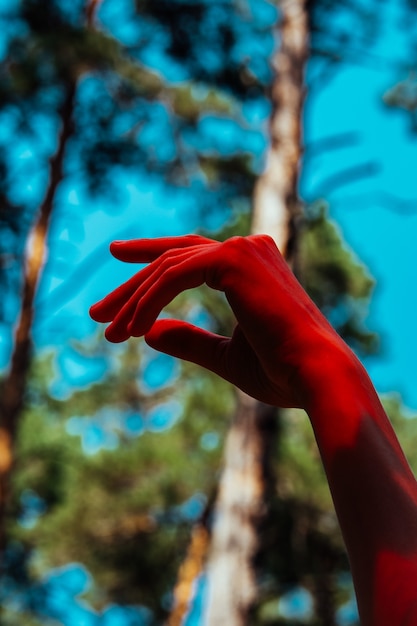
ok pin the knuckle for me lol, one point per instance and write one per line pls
(267, 239)
(170, 271)
(195, 240)
(235, 245)
(262, 240)
(165, 260)
(236, 240)
(192, 238)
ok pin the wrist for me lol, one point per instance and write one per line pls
(337, 395)
(373, 488)
(327, 372)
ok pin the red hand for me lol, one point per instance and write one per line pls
(285, 353)
(278, 331)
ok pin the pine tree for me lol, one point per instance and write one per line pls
(64, 70)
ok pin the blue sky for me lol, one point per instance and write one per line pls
(351, 102)
(384, 239)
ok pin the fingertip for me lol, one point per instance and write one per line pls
(137, 330)
(115, 246)
(115, 334)
(129, 251)
(154, 333)
(91, 312)
(159, 337)
(97, 314)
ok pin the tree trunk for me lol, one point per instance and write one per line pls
(14, 385)
(91, 9)
(241, 501)
(190, 569)
(239, 510)
(276, 201)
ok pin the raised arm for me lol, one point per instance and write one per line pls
(284, 352)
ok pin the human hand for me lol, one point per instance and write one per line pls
(284, 352)
(280, 337)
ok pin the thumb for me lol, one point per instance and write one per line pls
(190, 343)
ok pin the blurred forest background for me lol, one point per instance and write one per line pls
(135, 490)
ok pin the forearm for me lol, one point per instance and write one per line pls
(373, 488)
(284, 352)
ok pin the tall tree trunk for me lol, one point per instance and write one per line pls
(241, 500)
(190, 569)
(276, 200)
(14, 385)
(91, 9)
(239, 510)
(324, 585)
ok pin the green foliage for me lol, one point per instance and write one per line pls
(301, 540)
(335, 279)
(126, 115)
(405, 426)
(193, 29)
(11, 618)
(299, 467)
(120, 512)
(124, 512)
(403, 96)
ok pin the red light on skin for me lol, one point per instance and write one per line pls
(395, 581)
(284, 352)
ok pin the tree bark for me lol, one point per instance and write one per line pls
(14, 385)
(190, 569)
(276, 201)
(239, 510)
(241, 501)
(91, 9)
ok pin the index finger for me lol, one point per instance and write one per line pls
(147, 250)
